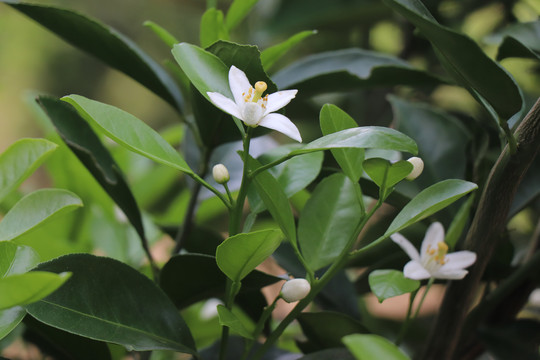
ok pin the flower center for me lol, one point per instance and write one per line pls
(439, 254)
(255, 105)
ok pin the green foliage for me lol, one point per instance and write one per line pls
(369, 346)
(389, 283)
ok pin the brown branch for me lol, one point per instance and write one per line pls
(489, 222)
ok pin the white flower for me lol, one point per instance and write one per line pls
(433, 261)
(252, 108)
(295, 290)
(418, 167)
(220, 174)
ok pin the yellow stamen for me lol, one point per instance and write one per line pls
(441, 253)
(260, 87)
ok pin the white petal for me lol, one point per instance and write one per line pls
(282, 124)
(414, 270)
(406, 246)
(459, 260)
(279, 99)
(454, 274)
(434, 235)
(239, 84)
(225, 104)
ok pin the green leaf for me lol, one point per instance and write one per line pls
(162, 33)
(237, 12)
(16, 259)
(27, 288)
(333, 119)
(385, 174)
(428, 202)
(212, 27)
(464, 60)
(458, 223)
(325, 329)
(106, 44)
(329, 354)
(109, 301)
(84, 143)
(389, 283)
(20, 160)
(270, 55)
(275, 200)
(369, 347)
(238, 255)
(36, 208)
(328, 221)
(128, 131)
(349, 69)
(519, 40)
(227, 318)
(9, 319)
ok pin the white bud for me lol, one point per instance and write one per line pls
(418, 167)
(221, 174)
(295, 290)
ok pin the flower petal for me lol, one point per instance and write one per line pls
(454, 274)
(225, 104)
(279, 99)
(414, 270)
(406, 246)
(458, 260)
(434, 235)
(239, 84)
(282, 124)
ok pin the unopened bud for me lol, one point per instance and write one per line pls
(295, 290)
(418, 167)
(220, 174)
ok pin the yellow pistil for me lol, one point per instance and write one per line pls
(260, 88)
(441, 253)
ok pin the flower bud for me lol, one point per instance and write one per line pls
(295, 290)
(418, 167)
(220, 174)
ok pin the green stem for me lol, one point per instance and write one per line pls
(428, 286)
(222, 197)
(260, 326)
(512, 142)
(409, 320)
(229, 195)
(405, 325)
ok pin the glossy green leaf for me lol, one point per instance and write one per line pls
(349, 69)
(275, 200)
(16, 259)
(185, 286)
(429, 201)
(109, 301)
(36, 208)
(464, 60)
(459, 222)
(270, 55)
(369, 347)
(106, 44)
(27, 288)
(20, 160)
(325, 329)
(162, 33)
(9, 319)
(212, 27)
(333, 119)
(238, 11)
(128, 131)
(389, 283)
(519, 40)
(84, 143)
(238, 255)
(229, 319)
(328, 221)
(384, 173)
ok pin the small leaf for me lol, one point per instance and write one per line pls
(328, 221)
(428, 202)
(212, 27)
(30, 287)
(238, 255)
(128, 131)
(9, 319)
(36, 208)
(385, 174)
(333, 119)
(519, 40)
(227, 318)
(272, 54)
(237, 12)
(162, 33)
(389, 283)
(16, 259)
(20, 160)
(369, 347)
(109, 301)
